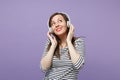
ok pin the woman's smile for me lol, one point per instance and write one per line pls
(58, 29)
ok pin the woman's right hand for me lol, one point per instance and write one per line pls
(52, 39)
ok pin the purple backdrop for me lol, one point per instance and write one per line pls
(23, 28)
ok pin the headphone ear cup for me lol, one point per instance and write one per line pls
(68, 24)
(50, 30)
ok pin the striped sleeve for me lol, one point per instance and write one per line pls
(45, 52)
(45, 48)
(79, 46)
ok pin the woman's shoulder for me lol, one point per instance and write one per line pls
(79, 39)
(79, 42)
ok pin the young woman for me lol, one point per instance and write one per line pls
(64, 54)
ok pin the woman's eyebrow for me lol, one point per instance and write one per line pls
(59, 18)
(52, 21)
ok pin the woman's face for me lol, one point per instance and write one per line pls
(58, 24)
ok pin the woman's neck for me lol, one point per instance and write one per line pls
(63, 42)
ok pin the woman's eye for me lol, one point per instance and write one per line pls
(60, 20)
(52, 23)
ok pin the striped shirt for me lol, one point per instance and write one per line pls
(63, 68)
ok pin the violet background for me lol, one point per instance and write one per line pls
(23, 28)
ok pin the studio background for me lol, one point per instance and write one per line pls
(23, 28)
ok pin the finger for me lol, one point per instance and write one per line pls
(48, 34)
(54, 39)
(72, 28)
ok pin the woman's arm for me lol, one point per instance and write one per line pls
(47, 59)
(77, 52)
(73, 53)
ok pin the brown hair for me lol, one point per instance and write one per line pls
(57, 51)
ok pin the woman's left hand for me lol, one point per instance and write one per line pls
(70, 33)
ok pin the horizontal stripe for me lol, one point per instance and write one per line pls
(63, 68)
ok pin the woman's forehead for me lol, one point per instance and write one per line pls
(56, 17)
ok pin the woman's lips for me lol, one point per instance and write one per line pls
(58, 29)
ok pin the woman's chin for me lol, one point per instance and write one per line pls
(60, 34)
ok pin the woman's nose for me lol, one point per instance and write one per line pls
(57, 24)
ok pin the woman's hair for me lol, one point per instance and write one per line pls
(57, 51)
